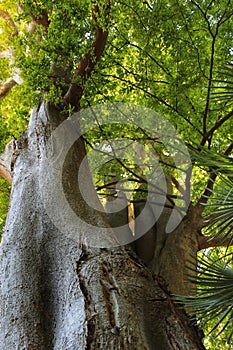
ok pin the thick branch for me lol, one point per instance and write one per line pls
(43, 20)
(87, 64)
(6, 87)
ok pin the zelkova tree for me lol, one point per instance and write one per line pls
(69, 283)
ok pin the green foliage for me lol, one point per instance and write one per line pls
(223, 88)
(215, 336)
(45, 58)
(213, 302)
(219, 206)
(220, 223)
(118, 145)
(212, 160)
(214, 298)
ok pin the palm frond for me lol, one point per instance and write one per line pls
(220, 222)
(214, 294)
(222, 89)
(215, 161)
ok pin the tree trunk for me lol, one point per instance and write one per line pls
(58, 293)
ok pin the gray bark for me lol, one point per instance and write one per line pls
(56, 293)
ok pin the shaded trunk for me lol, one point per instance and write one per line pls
(58, 293)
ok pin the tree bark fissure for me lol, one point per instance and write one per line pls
(90, 315)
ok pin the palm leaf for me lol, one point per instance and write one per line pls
(220, 222)
(214, 297)
(216, 162)
(222, 89)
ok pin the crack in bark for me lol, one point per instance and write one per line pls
(172, 341)
(109, 288)
(88, 302)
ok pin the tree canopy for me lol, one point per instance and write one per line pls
(174, 57)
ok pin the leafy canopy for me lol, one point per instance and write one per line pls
(168, 56)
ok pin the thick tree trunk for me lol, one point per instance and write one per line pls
(56, 293)
(176, 252)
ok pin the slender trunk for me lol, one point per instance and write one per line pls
(57, 293)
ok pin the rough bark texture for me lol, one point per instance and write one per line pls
(176, 252)
(166, 255)
(58, 294)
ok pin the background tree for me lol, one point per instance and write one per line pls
(166, 56)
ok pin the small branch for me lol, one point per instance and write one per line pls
(5, 174)
(206, 194)
(6, 87)
(178, 186)
(112, 185)
(219, 123)
(207, 135)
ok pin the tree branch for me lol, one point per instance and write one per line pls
(219, 123)
(205, 114)
(43, 20)
(208, 135)
(6, 87)
(88, 62)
